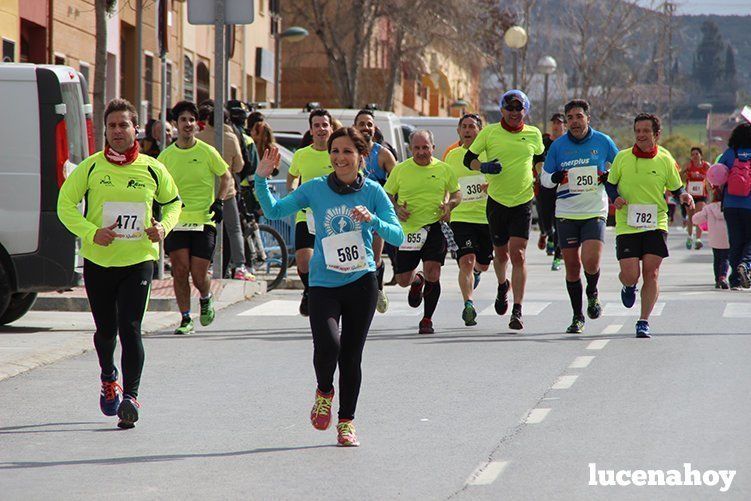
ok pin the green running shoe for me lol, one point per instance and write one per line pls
(207, 310)
(186, 327)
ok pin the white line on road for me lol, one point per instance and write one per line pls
(612, 329)
(618, 310)
(598, 344)
(529, 309)
(737, 310)
(273, 308)
(581, 362)
(536, 416)
(486, 473)
(564, 382)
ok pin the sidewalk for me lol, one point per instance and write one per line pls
(60, 325)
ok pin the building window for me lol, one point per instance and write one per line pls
(203, 79)
(85, 70)
(169, 84)
(9, 51)
(188, 79)
(233, 92)
(148, 80)
(59, 59)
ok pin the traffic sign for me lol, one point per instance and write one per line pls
(235, 11)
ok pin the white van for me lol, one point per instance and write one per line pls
(443, 129)
(43, 136)
(296, 120)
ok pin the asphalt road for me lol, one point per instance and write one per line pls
(467, 413)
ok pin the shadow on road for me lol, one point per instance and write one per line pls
(151, 459)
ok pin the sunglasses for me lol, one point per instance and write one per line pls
(513, 107)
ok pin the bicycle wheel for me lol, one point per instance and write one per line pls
(274, 268)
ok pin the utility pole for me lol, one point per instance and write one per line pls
(669, 10)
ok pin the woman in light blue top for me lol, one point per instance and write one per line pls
(347, 209)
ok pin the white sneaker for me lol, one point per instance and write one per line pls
(383, 302)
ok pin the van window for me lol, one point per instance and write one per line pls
(74, 122)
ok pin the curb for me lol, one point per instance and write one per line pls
(233, 292)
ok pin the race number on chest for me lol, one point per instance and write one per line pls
(471, 187)
(414, 241)
(128, 216)
(345, 252)
(642, 216)
(582, 179)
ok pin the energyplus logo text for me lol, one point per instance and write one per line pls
(640, 478)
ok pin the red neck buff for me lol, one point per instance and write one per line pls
(121, 158)
(644, 154)
(506, 126)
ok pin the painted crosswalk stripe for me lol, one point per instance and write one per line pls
(612, 329)
(618, 310)
(486, 473)
(564, 382)
(273, 308)
(737, 310)
(529, 309)
(581, 362)
(597, 344)
(536, 416)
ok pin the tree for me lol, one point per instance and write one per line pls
(344, 28)
(102, 8)
(417, 24)
(709, 57)
(729, 68)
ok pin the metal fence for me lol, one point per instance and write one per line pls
(285, 226)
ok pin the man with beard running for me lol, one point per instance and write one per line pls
(577, 164)
(309, 163)
(378, 165)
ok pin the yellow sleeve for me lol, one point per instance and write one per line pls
(168, 198)
(453, 181)
(674, 180)
(539, 145)
(294, 168)
(392, 183)
(217, 164)
(480, 143)
(71, 193)
(614, 175)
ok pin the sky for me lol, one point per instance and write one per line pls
(720, 7)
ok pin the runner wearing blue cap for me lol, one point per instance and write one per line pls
(513, 148)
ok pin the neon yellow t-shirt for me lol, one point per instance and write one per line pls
(469, 181)
(194, 171)
(423, 188)
(309, 163)
(643, 181)
(514, 185)
(124, 194)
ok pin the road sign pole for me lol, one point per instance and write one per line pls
(219, 59)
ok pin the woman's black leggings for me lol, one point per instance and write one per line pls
(355, 304)
(118, 297)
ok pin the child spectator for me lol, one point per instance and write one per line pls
(712, 216)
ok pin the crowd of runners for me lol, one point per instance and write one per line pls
(352, 197)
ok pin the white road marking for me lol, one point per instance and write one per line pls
(529, 309)
(274, 308)
(581, 362)
(564, 382)
(612, 329)
(486, 473)
(537, 416)
(598, 344)
(737, 310)
(618, 310)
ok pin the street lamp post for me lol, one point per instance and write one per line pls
(515, 38)
(547, 66)
(293, 34)
(708, 108)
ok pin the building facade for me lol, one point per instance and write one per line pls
(64, 32)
